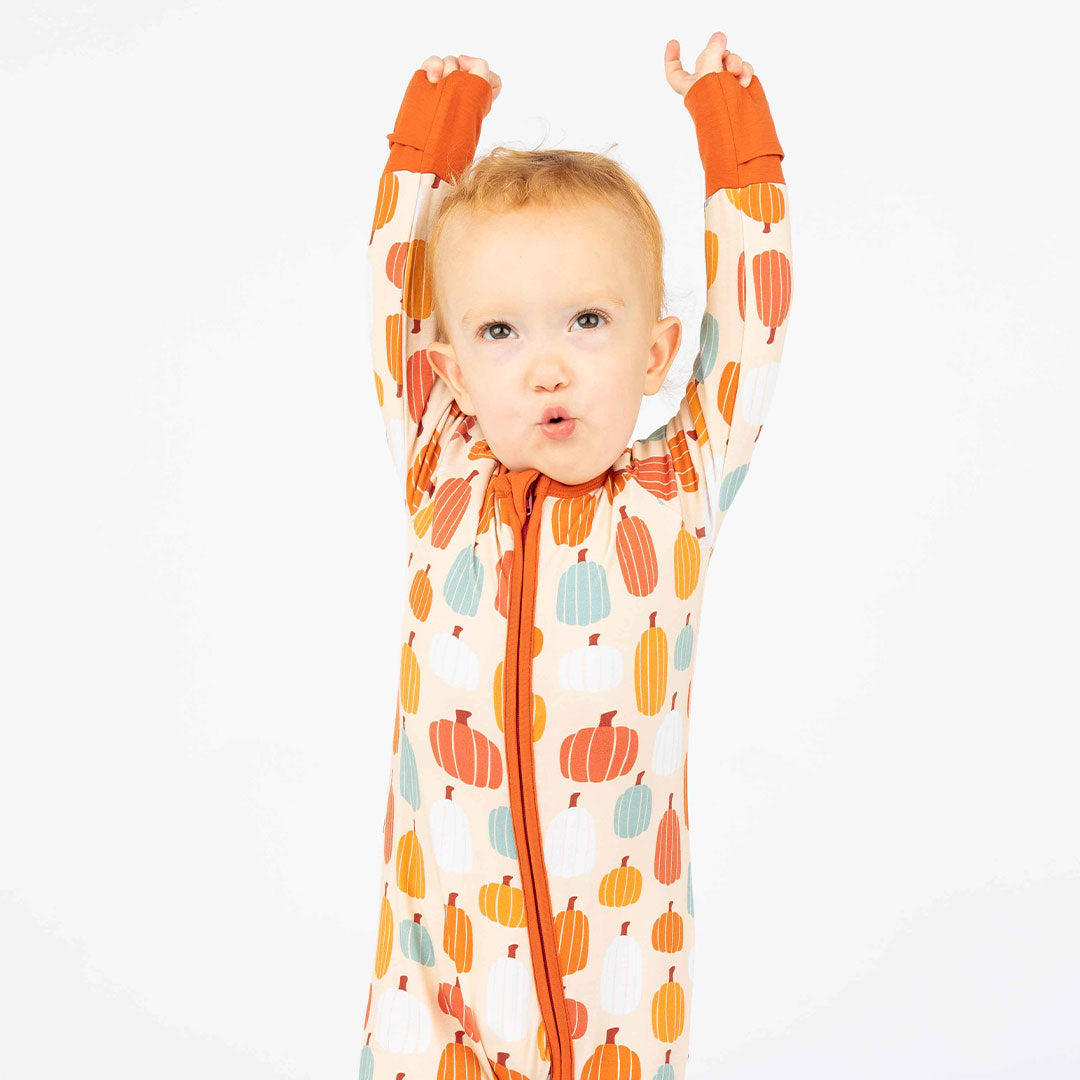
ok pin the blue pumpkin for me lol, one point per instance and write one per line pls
(633, 810)
(667, 1070)
(367, 1063)
(409, 778)
(501, 831)
(684, 647)
(464, 582)
(583, 597)
(710, 343)
(416, 942)
(731, 484)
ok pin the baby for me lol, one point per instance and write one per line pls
(536, 912)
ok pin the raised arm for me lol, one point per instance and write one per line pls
(433, 141)
(748, 291)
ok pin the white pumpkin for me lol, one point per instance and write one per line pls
(756, 387)
(714, 470)
(667, 755)
(620, 978)
(570, 841)
(593, 668)
(454, 661)
(402, 1021)
(510, 996)
(450, 834)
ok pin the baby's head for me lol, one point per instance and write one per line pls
(547, 275)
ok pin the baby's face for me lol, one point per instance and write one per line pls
(516, 292)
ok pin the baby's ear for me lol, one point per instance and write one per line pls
(667, 334)
(442, 358)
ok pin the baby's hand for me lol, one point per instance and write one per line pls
(438, 66)
(714, 57)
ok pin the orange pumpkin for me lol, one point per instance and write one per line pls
(656, 474)
(503, 903)
(388, 825)
(452, 1002)
(772, 289)
(682, 461)
(762, 201)
(651, 668)
(457, 934)
(384, 941)
(410, 864)
(503, 1071)
(599, 753)
(451, 501)
(636, 550)
(420, 593)
(612, 1061)
(420, 376)
(669, 1010)
(385, 201)
(667, 862)
(572, 937)
(687, 564)
(419, 479)
(393, 340)
(621, 886)
(409, 676)
(712, 255)
(697, 414)
(458, 1061)
(416, 287)
(504, 571)
(465, 754)
(668, 931)
(572, 518)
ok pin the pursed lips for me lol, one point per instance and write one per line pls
(554, 412)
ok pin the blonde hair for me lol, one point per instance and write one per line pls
(506, 178)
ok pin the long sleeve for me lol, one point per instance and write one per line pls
(433, 141)
(748, 291)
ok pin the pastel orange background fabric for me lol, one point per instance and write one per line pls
(535, 913)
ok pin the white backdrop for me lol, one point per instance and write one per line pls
(202, 566)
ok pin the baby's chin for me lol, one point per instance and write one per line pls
(570, 460)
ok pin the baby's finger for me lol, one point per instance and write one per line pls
(476, 64)
(711, 58)
(449, 64)
(747, 75)
(677, 75)
(733, 62)
(433, 65)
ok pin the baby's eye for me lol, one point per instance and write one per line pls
(488, 326)
(591, 313)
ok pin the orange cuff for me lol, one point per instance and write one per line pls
(438, 124)
(735, 132)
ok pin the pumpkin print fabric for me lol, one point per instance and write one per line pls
(535, 915)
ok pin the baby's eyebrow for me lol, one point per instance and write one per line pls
(602, 301)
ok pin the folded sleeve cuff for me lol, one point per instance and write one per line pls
(438, 124)
(736, 137)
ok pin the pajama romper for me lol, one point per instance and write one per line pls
(536, 913)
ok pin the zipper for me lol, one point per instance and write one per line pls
(518, 708)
